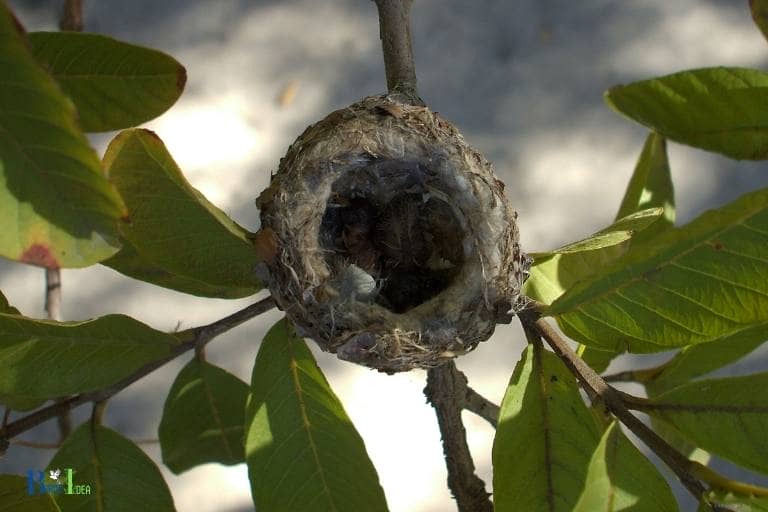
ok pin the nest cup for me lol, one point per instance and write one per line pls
(388, 240)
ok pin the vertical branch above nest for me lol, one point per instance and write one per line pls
(395, 33)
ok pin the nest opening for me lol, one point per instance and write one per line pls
(383, 218)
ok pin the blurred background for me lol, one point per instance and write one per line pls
(522, 79)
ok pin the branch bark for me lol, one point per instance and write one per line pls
(395, 34)
(478, 404)
(53, 312)
(195, 338)
(72, 16)
(446, 390)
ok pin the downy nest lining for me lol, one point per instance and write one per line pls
(391, 241)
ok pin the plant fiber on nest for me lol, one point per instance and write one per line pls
(391, 241)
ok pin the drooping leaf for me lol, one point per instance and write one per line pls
(727, 417)
(120, 477)
(544, 439)
(621, 230)
(620, 478)
(129, 262)
(41, 359)
(715, 109)
(700, 283)
(302, 450)
(15, 496)
(203, 418)
(759, 10)
(739, 503)
(113, 84)
(171, 224)
(56, 206)
(651, 187)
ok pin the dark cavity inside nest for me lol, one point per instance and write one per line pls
(386, 219)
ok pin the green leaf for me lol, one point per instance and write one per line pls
(114, 85)
(697, 360)
(544, 438)
(129, 262)
(696, 284)
(171, 224)
(58, 209)
(42, 359)
(551, 276)
(740, 503)
(620, 478)
(556, 271)
(302, 450)
(715, 109)
(759, 10)
(671, 436)
(120, 477)
(203, 418)
(5, 307)
(727, 417)
(650, 187)
(621, 230)
(15, 497)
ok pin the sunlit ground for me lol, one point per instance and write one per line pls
(523, 80)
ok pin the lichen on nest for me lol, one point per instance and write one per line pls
(393, 244)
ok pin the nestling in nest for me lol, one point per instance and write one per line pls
(389, 241)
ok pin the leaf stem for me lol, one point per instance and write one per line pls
(642, 375)
(446, 391)
(191, 339)
(720, 482)
(614, 402)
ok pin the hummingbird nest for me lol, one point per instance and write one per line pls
(388, 240)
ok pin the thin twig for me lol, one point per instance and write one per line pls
(642, 375)
(478, 404)
(613, 400)
(446, 389)
(191, 338)
(55, 446)
(53, 294)
(53, 312)
(72, 16)
(395, 33)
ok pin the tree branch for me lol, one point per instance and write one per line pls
(72, 16)
(53, 312)
(478, 404)
(395, 34)
(191, 339)
(446, 391)
(614, 402)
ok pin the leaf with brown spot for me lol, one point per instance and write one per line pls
(56, 206)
